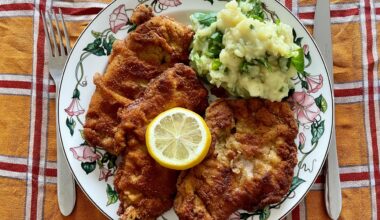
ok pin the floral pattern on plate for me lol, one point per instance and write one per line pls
(311, 102)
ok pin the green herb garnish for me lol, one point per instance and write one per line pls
(205, 19)
(215, 45)
(257, 11)
(216, 64)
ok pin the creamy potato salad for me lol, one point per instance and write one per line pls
(244, 52)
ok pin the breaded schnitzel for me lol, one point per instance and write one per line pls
(250, 163)
(146, 189)
(156, 44)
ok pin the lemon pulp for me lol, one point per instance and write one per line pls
(178, 138)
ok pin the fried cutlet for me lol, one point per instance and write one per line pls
(156, 44)
(250, 163)
(146, 189)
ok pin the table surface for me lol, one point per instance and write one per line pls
(27, 109)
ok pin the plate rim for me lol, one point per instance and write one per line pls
(57, 110)
(276, 2)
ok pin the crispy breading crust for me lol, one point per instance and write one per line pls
(250, 164)
(141, 14)
(157, 44)
(146, 189)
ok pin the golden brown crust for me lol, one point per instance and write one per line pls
(141, 14)
(161, 41)
(250, 164)
(176, 87)
(146, 189)
(156, 44)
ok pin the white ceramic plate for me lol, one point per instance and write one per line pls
(94, 170)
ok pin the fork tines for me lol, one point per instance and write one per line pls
(55, 49)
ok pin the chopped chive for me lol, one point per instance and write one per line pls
(216, 64)
(215, 45)
(244, 67)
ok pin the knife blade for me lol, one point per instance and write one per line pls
(322, 35)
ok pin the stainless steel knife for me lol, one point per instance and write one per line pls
(322, 35)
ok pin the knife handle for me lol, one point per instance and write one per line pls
(333, 195)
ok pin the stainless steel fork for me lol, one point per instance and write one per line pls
(57, 58)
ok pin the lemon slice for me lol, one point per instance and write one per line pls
(178, 138)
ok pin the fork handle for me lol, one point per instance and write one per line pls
(65, 181)
(333, 196)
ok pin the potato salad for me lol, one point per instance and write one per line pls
(245, 52)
